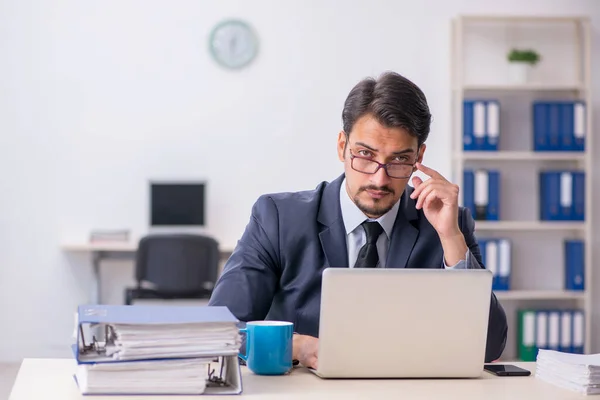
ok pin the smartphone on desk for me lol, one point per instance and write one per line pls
(506, 370)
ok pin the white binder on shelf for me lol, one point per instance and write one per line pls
(554, 330)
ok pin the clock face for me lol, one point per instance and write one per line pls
(233, 44)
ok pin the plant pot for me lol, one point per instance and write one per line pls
(518, 72)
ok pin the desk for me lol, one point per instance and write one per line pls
(51, 379)
(110, 250)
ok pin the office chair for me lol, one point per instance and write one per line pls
(179, 266)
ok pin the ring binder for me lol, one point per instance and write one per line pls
(145, 340)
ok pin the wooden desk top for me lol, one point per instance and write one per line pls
(51, 379)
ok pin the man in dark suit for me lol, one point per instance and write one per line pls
(367, 218)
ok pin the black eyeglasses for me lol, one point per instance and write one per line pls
(394, 170)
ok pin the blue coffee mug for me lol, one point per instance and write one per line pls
(268, 347)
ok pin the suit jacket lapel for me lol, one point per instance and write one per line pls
(333, 234)
(404, 234)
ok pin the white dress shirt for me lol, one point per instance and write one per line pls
(356, 237)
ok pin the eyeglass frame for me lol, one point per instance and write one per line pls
(379, 165)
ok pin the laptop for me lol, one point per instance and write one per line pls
(403, 323)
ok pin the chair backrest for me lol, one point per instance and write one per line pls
(178, 262)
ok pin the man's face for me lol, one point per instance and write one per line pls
(375, 194)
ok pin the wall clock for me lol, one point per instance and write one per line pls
(233, 44)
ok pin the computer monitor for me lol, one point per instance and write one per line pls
(177, 204)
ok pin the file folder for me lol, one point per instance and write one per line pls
(578, 196)
(541, 330)
(483, 251)
(468, 136)
(554, 330)
(527, 335)
(566, 327)
(493, 211)
(88, 352)
(479, 135)
(491, 254)
(492, 125)
(469, 191)
(567, 126)
(104, 316)
(578, 332)
(552, 201)
(579, 128)
(540, 129)
(481, 194)
(574, 264)
(554, 139)
(566, 196)
(504, 265)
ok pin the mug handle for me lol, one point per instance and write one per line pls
(240, 355)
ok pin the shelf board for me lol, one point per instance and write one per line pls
(522, 155)
(524, 18)
(524, 87)
(529, 225)
(539, 295)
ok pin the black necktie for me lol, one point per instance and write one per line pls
(367, 256)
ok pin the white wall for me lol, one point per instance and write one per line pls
(98, 97)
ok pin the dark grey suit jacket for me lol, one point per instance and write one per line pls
(275, 270)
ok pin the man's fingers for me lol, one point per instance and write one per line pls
(418, 189)
(431, 197)
(416, 181)
(439, 188)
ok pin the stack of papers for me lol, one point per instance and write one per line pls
(187, 376)
(136, 342)
(577, 372)
(155, 349)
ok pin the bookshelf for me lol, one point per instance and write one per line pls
(479, 70)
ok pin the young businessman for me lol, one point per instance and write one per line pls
(367, 218)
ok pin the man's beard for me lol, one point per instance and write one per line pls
(375, 210)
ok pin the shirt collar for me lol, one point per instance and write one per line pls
(353, 216)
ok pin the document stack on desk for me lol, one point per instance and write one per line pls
(157, 350)
(578, 372)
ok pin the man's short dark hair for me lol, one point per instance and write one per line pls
(393, 100)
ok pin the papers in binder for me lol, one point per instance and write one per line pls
(142, 332)
(157, 350)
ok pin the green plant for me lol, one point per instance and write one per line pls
(526, 56)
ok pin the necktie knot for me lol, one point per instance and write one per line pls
(373, 230)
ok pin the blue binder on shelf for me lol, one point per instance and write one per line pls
(574, 265)
(469, 191)
(567, 126)
(481, 125)
(482, 250)
(481, 194)
(493, 211)
(553, 124)
(540, 129)
(578, 194)
(559, 125)
(468, 122)
(579, 126)
(562, 196)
